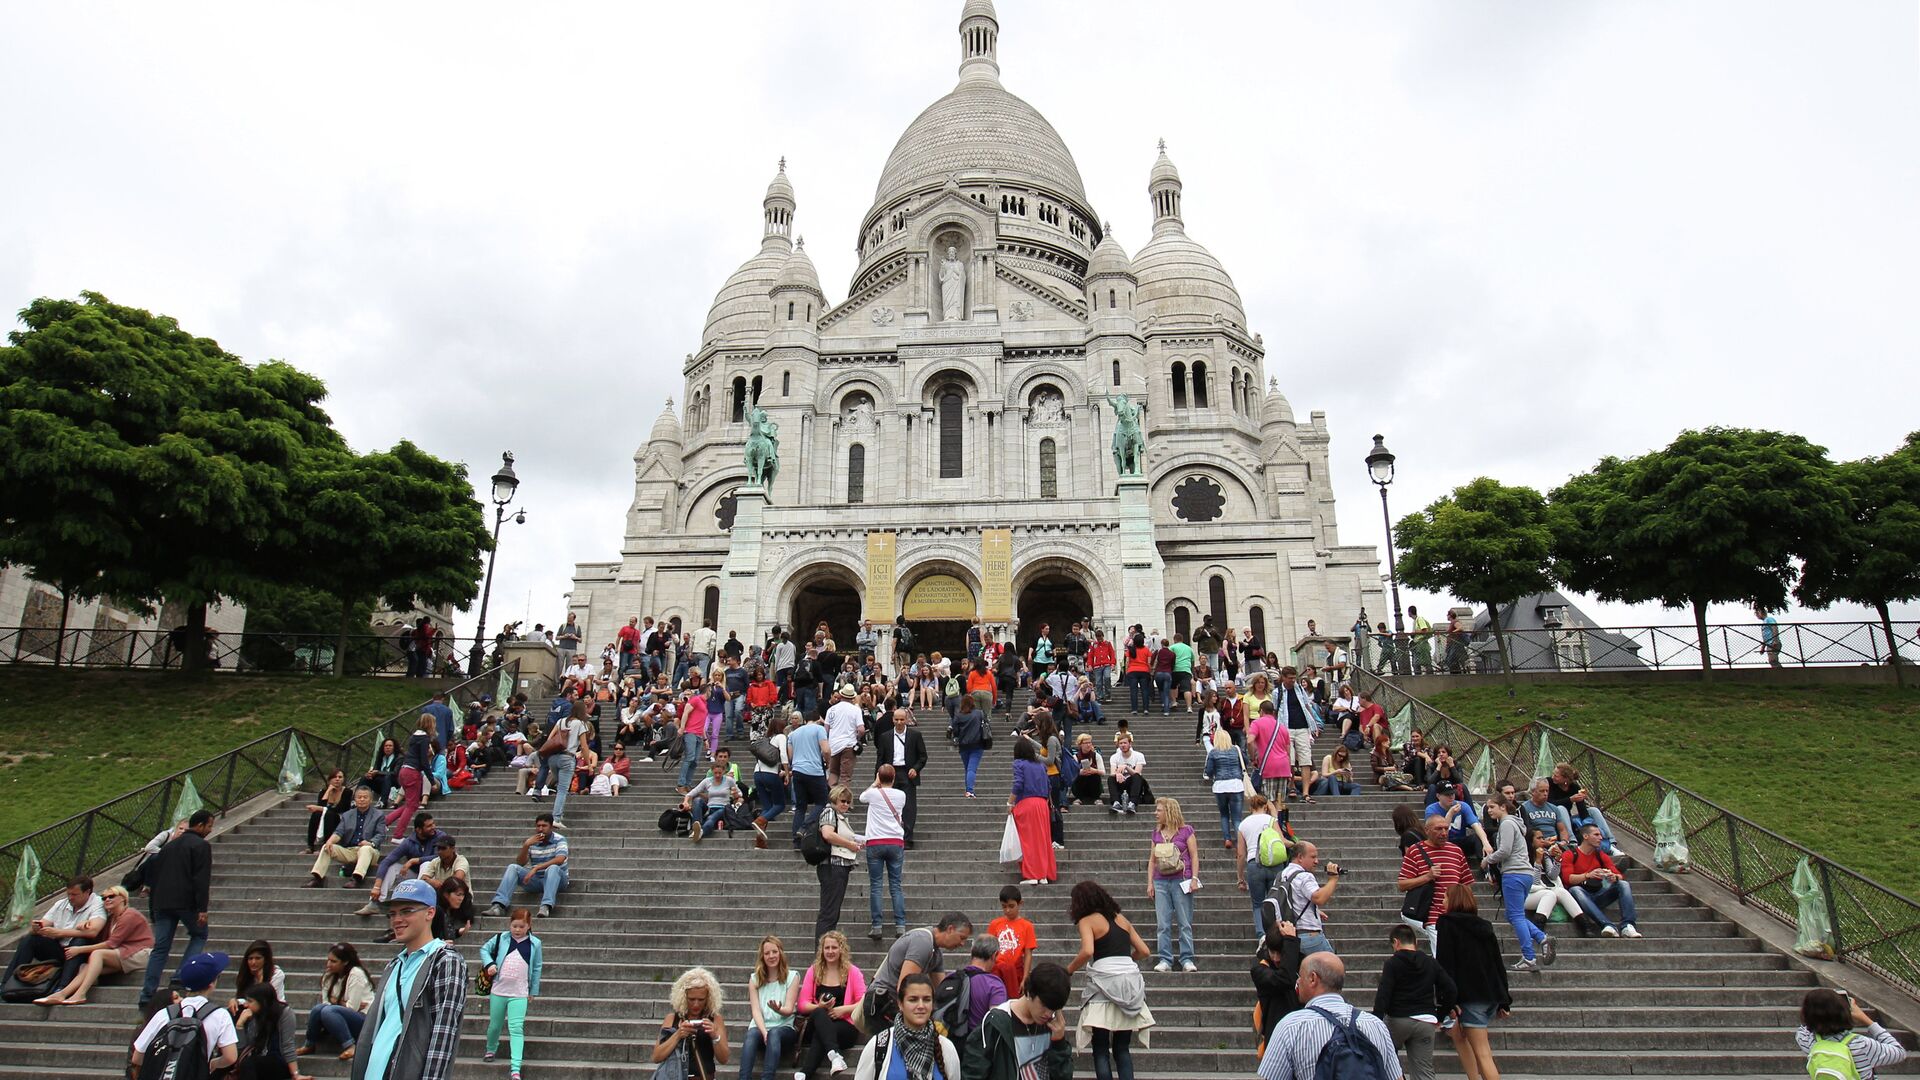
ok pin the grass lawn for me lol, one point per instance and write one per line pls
(73, 739)
(1835, 768)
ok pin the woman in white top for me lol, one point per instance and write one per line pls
(771, 993)
(346, 993)
(911, 1049)
(1255, 879)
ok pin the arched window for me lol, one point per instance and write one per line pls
(1246, 392)
(739, 399)
(1257, 621)
(1049, 471)
(756, 390)
(786, 383)
(1233, 389)
(1183, 622)
(951, 404)
(1116, 373)
(790, 307)
(710, 606)
(1217, 601)
(1112, 295)
(1199, 384)
(856, 473)
(1179, 385)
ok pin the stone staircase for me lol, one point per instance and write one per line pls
(1695, 997)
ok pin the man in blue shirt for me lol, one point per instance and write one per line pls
(807, 749)
(541, 867)
(1545, 816)
(412, 1030)
(1463, 825)
(442, 717)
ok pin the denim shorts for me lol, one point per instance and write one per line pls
(1477, 1014)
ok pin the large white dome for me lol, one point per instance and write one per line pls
(979, 131)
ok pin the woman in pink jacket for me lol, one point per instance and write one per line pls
(1274, 763)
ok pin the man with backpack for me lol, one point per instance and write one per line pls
(1328, 1039)
(192, 1037)
(962, 999)
(1298, 896)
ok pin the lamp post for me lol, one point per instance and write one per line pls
(1380, 468)
(504, 485)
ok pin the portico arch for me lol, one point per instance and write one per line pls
(940, 598)
(1056, 590)
(826, 590)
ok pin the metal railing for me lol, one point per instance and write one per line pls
(356, 752)
(1873, 927)
(157, 649)
(1643, 648)
(96, 839)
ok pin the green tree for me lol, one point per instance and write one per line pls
(1719, 516)
(400, 527)
(1486, 543)
(1875, 557)
(146, 463)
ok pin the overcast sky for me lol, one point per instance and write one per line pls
(1512, 237)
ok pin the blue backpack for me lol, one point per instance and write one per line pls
(1348, 1055)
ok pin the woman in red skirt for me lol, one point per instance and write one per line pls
(1031, 814)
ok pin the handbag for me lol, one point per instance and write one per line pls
(986, 731)
(1419, 899)
(483, 982)
(556, 740)
(1248, 786)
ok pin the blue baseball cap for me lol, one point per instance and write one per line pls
(414, 891)
(199, 971)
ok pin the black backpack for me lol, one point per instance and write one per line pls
(953, 1003)
(179, 1050)
(813, 845)
(676, 821)
(1348, 1055)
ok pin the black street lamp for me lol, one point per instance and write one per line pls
(1380, 468)
(504, 485)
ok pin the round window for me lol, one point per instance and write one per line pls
(724, 510)
(1198, 499)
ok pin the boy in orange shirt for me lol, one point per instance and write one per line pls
(1017, 942)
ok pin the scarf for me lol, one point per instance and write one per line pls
(920, 1049)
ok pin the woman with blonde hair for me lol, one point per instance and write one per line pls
(123, 946)
(829, 990)
(694, 1031)
(772, 991)
(1173, 869)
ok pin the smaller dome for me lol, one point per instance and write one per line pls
(1182, 282)
(780, 187)
(798, 273)
(1109, 258)
(667, 428)
(740, 308)
(978, 7)
(1275, 409)
(1163, 169)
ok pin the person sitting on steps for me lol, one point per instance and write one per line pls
(1600, 885)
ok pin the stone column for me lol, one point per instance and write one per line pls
(740, 576)
(1143, 576)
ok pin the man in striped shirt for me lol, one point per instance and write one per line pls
(541, 867)
(1434, 861)
(1293, 1052)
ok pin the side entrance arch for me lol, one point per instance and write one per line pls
(823, 592)
(1054, 594)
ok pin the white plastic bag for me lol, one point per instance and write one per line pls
(1480, 777)
(1670, 836)
(1401, 724)
(1010, 842)
(293, 771)
(1815, 934)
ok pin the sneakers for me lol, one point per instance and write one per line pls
(488, 1057)
(835, 1062)
(1029, 881)
(1188, 965)
(1115, 808)
(1130, 808)
(496, 909)
(546, 793)
(1609, 931)
(1630, 931)
(367, 910)
(873, 933)
(1162, 965)
(693, 832)
(1059, 846)
(545, 912)
(533, 793)
(559, 824)
(1524, 965)
(1547, 952)
(514, 1075)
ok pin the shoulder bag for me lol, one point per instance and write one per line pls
(1419, 899)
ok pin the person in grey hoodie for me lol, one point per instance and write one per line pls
(1511, 859)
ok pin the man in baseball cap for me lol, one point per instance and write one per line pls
(417, 1039)
(196, 976)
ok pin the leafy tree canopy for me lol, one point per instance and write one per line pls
(1874, 558)
(1486, 543)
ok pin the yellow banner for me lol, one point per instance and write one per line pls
(880, 559)
(996, 565)
(938, 596)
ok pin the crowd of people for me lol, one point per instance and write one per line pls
(804, 712)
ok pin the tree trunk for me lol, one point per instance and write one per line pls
(60, 639)
(340, 644)
(1500, 639)
(195, 658)
(1893, 643)
(1706, 652)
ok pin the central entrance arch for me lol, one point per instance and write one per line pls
(939, 608)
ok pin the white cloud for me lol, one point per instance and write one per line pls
(1513, 238)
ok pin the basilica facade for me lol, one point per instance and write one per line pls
(941, 444)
